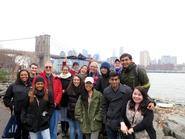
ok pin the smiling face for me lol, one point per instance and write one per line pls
(137, 96)
(76, 81)
(65, 70)
(125, 61)
(48, 68)
(39, 86)
(33, 69)
(83, 69)
(23, 76)
(89, 86)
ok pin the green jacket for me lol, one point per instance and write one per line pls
(90, 116)
(134, 76)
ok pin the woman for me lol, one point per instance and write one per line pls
(14, 99)
(87, 110)
(74, 91)
(103, 81)
(37, 110)
(65, 78)
(138, 120)
(83, 72)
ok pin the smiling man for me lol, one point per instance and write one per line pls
(132, 74)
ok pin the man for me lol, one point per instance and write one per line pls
(115, 96)
(117, 66)
(33, 71)
(74, 69)
(54, 86)
(133, 75)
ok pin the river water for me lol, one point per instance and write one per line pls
(168, 87)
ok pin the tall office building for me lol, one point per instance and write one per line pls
(169, 60)
(144, 58)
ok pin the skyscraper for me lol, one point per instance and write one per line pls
(144, 58)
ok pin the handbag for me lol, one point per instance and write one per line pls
(11, 127)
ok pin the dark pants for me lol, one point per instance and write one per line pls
(21, 133)
(111, 134)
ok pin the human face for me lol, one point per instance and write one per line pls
(125, 61)
(39, 86)
(34, 69)
(137, 96)
(48, 68)
(114, 82)
(117, 64)
(93, 67)
(76, 81)
(83, 70)
(88, 86)
(65, 70)
(24, 76)
(103, 71)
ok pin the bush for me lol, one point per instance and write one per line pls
(4, 74)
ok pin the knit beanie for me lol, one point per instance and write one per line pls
(39, 79)
(105, 65)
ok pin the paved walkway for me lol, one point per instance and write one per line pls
(4, 116)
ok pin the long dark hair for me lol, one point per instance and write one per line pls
(72, 88)
(143, 104)
(18, 79)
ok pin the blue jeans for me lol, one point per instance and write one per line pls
(74, 128)
(54, 124)
(111, 134)
(45, 134)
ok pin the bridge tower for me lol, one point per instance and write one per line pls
(42, 49)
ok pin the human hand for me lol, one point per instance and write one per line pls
(124, 128)
(151, 106)
(130, 131)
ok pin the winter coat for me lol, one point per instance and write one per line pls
(112, 105)
(73, 96)
(89, 116)
(65, 83)
(57, 88)
(15, 96)
(36, 115)
(142, 125)
(134, 76)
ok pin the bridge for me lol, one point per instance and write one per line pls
(42, 53)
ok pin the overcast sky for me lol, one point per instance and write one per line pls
(98, 25)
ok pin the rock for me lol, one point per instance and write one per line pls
(175, 126)
(167, 137)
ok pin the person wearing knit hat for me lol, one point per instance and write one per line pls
(103, 81)
(105, 65)
(39, 79)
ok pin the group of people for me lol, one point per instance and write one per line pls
(85, 101)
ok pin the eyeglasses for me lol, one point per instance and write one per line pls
(48, 67)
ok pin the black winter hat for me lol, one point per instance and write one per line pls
(39, 79)
(105, 65)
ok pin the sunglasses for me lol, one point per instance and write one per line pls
(48, 67)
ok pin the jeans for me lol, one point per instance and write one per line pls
(111, 134)
(93, 135)
(54, 124)
(20, 132)
(74, 128)
(45, 134)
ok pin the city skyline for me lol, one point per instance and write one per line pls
(97, 26)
